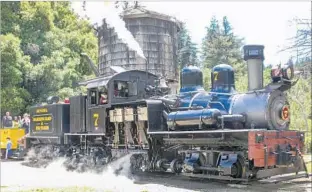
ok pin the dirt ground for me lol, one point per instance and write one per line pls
(146, 183)
(300, 185)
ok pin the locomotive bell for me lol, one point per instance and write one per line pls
(254, 56)
(162, 83)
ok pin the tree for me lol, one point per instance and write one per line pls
(187, 50)
(227, 29)
(13, 96)
(302, 42)
(220, 45)
(10, 18)
(45, 57)
(212, 32)
(126, 4)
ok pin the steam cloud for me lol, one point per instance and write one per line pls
(111, 14)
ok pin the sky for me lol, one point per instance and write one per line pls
(266, 23)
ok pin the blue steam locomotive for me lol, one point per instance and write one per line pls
(219, 134)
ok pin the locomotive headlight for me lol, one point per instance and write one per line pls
(288, 72)
(285, 113)
(276, 74)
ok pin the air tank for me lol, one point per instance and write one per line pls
(190, 118)
(155, 33)
(254, 56)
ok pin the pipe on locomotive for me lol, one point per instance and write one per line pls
(91, 64)
(253, 55)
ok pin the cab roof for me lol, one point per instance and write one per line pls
(104, 80)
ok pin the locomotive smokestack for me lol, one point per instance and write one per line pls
(254, 56)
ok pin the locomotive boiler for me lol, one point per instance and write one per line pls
(220, 134)
(261, 107)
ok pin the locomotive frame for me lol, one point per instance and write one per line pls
(217, 135)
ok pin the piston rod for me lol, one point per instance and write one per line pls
(202, 132)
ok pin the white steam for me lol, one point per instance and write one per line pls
(53, 174)
(17, 177)
(111, 15)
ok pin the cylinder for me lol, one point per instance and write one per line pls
(254, 56)
(193, 117)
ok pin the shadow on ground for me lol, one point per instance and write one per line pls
(298, 185)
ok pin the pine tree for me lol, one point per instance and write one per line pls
(226, 27)
(220, 45)
(187, 50)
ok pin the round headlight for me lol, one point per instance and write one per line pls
(288, 72)
(285, 113)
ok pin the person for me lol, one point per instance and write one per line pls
(26, 123)
(103, 99)
(8, 148)
(7, 120)
(15, 122)
(20, 122)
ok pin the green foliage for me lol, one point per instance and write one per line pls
(13, 96)
(300, 106)
(11, 60)
(41, 44)
(207, 78)
(309, 167)
(187, 50)
(220, 45)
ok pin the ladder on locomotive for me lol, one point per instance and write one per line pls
(83, 142)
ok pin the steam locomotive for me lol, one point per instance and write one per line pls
(219, 134)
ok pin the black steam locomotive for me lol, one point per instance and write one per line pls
(219, 134)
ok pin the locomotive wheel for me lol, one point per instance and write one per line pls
(159, 164)
(136, 161)
(237, 169)
(175, 166)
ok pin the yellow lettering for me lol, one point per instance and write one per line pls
(96, 116)
(42, 119)
(42, 128)
(215, 74)
(42, 110)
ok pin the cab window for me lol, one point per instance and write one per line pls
(103, 96)
(93, 96)
(125, 88)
